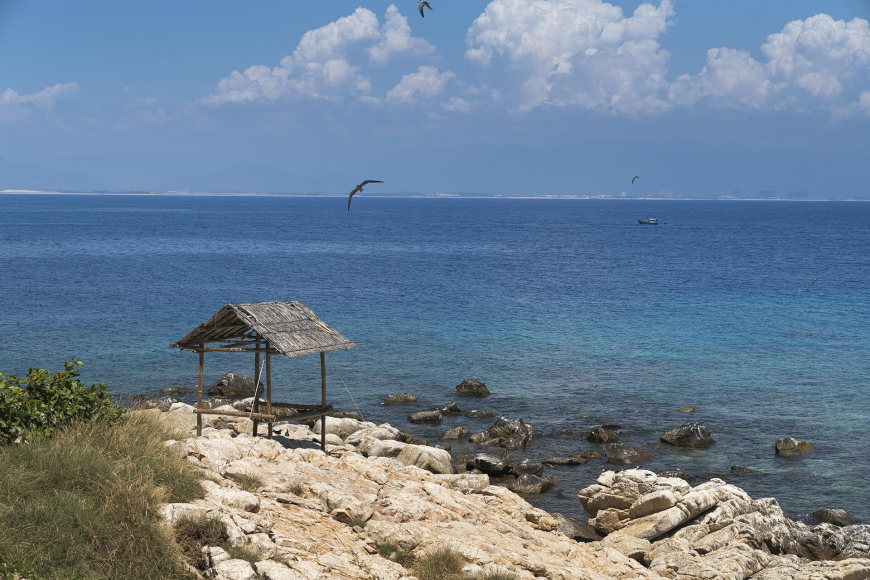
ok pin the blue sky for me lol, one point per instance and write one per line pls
(500, 96)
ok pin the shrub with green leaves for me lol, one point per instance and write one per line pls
(43, 401)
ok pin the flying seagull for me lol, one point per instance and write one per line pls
(420, 6)
(228, 266)
(360, 187)
(635, 177)
(814, 281)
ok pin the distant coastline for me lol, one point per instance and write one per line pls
(417, 195)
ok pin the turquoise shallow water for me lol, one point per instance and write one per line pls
(571, 312)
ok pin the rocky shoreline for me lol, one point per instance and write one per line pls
(325, 515)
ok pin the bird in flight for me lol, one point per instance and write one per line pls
(360, 187)
(228, 266)
(420, 6)
(814, 281)
(635, 177)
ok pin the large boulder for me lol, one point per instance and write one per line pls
(689, 435)
(528, 483)
(791, 447)
(428, 458)
(621, 453)
(471, 388)
(430, 417)
(575, 529)
(341, 427)
(400, 399)
(233, 386)
(371, 447)
(456, 433)
(836, 517)
(383, 432)
(490, 464)
(602, 435)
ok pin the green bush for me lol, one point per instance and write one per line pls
(11, 571)
(42, 401)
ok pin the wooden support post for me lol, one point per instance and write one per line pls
(199, 395)
(269, 387)
(256, 388)
(323, 399)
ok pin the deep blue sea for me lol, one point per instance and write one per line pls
(571, 312)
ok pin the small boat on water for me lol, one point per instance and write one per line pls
(649, 222)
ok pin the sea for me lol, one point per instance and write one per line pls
(755, 313)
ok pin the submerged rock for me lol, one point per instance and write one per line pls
(689, 435)
(567, 460)
(590, 455)
(431, 417)
(472, 388)
(232, 385)
(528, 483)
(178, 390)
(621, 453)
(456, 433)
(602, 435)
(738, 469)
(791, 447)
(490, 464)
(480, 414)
(686, 410)
(400, 399)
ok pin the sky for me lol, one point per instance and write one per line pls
(515, 97)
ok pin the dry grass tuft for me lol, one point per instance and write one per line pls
(248, 481)
(440, 564)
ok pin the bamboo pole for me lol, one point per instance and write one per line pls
(199, 395)
(269, 387)
(323, 400)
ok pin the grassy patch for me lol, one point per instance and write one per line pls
(500, 575)
(439, 564)
(246, 553)
(248, 481)
(193, 533)
(357, 521)
(295, 488)
(282, 559)
(83, 504)
(11, 571)
(395, 553)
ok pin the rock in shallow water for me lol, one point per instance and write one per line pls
(480, 414)
(621, 453)
(471, 388)
(528, 483)
(456, 433)
(232, 385)
(791, 447)
(567, 460)
(529, 466)
(689, 435)
(602, 435)
(490, 464)
(451, 409)
(400, 399)
(428, 458)
(430, 417)
(738, 469)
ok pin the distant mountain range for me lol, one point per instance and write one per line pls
(26, 176)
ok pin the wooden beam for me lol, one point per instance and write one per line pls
(256, 387)
(234, 349)
(319, 412)
(323, 399)
(199, 395)
(269, 388)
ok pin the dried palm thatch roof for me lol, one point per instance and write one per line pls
(291, 328)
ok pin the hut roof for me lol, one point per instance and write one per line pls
(290, 327)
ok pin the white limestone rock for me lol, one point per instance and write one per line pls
(235, 570)
(428, 458)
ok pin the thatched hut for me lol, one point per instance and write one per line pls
(266, 328)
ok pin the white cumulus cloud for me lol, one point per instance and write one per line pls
(14, 106)
(813, 64)
(326, 63)
(426, 83)
(576, 52)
